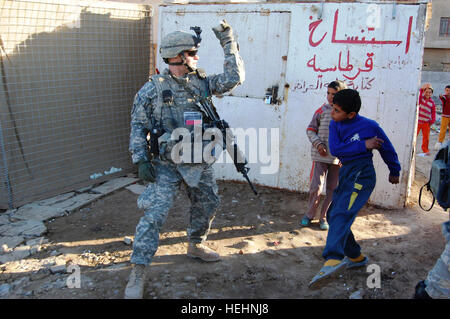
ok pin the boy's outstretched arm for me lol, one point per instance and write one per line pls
(389, 156)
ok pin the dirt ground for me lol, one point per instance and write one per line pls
(266, 254)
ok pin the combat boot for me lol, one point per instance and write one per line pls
(135, 286)
(203, 252)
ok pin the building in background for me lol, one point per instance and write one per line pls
(436, 57)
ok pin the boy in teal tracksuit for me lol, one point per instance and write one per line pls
(352, 138)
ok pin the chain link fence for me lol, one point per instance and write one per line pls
(69, 73)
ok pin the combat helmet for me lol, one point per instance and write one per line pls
(176, 42)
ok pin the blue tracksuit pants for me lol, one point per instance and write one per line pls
(356, 183)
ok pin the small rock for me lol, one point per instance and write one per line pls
(58, 269)
(4, 290)
(21, 282)
(11, 241)
(375, 244)
(357, 294)
(127, 240)
(4, 249)
(37, 241)
(269, 251)
(55, 253)
(189, 278)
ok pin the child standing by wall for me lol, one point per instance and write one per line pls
(352, 139)
(445, 120)
(427, 116)
(324, 164)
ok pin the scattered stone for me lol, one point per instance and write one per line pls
(4, 290)
(20, 282)
(4, 219)
(359, 294)
(11, 241)
(55, 253)
(28, 228)
(269, 252)
(189, 278)
(48, 263)
(4, 249)
(128, 240)
(58, 269)
(37, 241)
(38, 212)
(16, 254)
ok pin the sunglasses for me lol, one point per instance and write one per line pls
(192, 53)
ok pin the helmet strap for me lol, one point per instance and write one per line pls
(182, 62)
(188, 67)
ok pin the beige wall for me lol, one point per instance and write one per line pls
(440, 8)
(437, 49)
(436, 60)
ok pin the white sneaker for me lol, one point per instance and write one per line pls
(438, 146)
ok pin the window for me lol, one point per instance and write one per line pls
(444, 27)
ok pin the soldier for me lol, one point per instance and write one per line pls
(167, 102)
(437, 283)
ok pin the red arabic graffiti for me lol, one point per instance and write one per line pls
(347, 68)
(355, 39)
(343, 63)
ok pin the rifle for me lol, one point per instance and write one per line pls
(229, 144)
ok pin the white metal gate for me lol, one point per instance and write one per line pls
(376, 48)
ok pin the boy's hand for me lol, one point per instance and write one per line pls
(322, 150)
(425, 86)
(393, 179)
(374, 143)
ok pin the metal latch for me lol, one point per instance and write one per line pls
(271, 95)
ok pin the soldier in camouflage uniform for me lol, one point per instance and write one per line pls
(168, 102)
(437, 283)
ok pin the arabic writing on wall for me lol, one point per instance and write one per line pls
(343, 67)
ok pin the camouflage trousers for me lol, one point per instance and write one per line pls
(438, 279)
(158, 197)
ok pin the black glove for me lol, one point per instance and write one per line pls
(146, 171)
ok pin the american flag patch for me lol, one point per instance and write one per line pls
(192, 118)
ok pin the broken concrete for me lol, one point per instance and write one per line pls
(114, 185)
(76, 202)
(18, 253)
(27, 222)
(4, 219)
(27, 228)
(11, 241)
(35, 211)
(136, 188)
